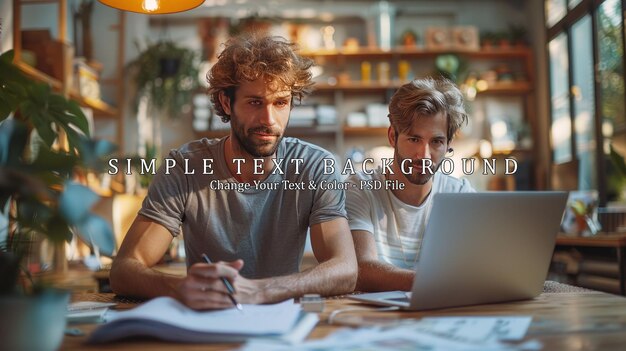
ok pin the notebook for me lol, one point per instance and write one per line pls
(481, 248)
(167, 319)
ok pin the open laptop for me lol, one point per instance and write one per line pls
(481, 248)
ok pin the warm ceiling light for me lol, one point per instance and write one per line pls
(153, 7)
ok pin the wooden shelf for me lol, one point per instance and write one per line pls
(39, 76)
(507, 88)
(515, 151)
(325, 130)
(511, 88)
(356, 86)
(491, 53)
(99, 107)
(365, 131)
(599, 240)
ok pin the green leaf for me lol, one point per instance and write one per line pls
(618, 161)
(44, 129)
(48, 160)
(58, 230)
(31, 212)
(13, 138)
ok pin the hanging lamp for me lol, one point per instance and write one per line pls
(153, 7)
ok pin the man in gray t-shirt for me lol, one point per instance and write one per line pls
(251, 199)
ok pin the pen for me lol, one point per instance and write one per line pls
(229, 287)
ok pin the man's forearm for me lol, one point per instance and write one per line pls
(380, 276)
(333, 277)
(130, 277)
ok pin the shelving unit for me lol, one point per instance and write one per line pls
(342, 92)
(100, 108)
(496, 88)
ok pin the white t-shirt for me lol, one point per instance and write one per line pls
(398, 228)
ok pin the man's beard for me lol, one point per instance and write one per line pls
(415, 177)
(262, 148)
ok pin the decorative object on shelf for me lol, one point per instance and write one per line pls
(39, 199)
(328, 33)
(487, 40)
(502, 39)
(351, 44)
(82, 38)
(383, 14)
(581, 214)
(202, 112)
(437, 38)
(409, 39)
(168, 75)
(86, 78)
(356, 119)
(52, 57)
(404, 71)
(518, 35)
(448, 65)
(384, 72)
(465, 38)
(153, 7)
(366, 72)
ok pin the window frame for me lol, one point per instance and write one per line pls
(564, 25)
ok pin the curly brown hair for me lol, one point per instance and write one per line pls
(249, 57)
(427, 97)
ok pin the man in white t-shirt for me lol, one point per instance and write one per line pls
(388, 222)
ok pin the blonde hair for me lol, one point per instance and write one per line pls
(427, 97)
(250, 57)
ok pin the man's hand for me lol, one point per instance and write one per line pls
(203, 289)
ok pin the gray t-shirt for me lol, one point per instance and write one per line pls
(266, 228)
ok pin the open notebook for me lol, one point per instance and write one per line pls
(167, 319)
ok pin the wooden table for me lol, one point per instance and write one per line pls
(561, 321)
(613, 241)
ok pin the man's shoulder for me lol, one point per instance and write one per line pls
(449, 184)
(296, 148)
(197, 148)
(366, 176)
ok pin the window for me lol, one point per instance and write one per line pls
(561, 129)
(583, 93)
(611, 62)
(555, 11)
(588, 102)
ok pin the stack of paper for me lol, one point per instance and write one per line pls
(167, 319)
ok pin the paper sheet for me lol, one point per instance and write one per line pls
(477, 329)
(253, 320)
(438, 333)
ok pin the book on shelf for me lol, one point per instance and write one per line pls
(599, 268)
(595, 282)
(167, 319)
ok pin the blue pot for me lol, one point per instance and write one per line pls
(33, 322)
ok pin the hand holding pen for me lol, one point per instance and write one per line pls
(227, 284)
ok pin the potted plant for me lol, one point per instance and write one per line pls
(167, 74)
(487, 40)
(517, 35)
(37, 197)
